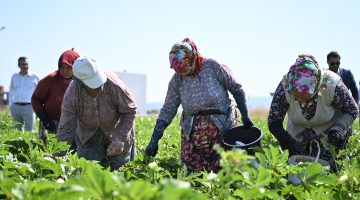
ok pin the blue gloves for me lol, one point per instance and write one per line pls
(286, 142)
(337, 132)
(153, 146)
(241, 104)
(335, 138)
(48, 123)
(308, 135)
(247, 122)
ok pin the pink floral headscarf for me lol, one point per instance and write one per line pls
(303, 75)
(185, 59)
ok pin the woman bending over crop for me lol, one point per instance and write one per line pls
(318, 105)
(98, 112)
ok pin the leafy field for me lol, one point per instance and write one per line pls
(29, 171)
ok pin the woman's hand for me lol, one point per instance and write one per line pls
(335, 137)
(247, 122)
(307, 135)
(152, 148)
(115, 148)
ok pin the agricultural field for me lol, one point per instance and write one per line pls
(28, 170)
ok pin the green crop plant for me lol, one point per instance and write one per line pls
(29, 169)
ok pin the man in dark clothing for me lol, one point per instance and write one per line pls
(333, 60)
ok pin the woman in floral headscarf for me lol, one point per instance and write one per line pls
(318, 105)
(201, 86)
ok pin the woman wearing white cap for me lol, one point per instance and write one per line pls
(98, 111)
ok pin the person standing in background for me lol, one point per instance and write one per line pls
(22, 86)
(333, 60)
(48, 95)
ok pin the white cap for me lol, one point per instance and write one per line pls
(87, 70)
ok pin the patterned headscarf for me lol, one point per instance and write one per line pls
(185, 59)
(303, 76)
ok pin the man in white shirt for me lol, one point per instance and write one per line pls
(22, 87)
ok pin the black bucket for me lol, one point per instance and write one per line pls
(250, 137)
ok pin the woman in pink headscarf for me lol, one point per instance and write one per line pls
(200, 85)
(318, 105)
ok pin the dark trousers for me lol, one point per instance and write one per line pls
(95, 149)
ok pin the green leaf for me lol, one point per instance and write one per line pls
(96, 182)
(264, 178)
(48, 163)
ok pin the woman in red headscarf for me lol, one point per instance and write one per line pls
(48, 95)
(318, 104)
(200, 85)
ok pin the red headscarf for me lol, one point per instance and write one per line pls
(68, 57)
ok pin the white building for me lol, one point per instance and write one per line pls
(137, 85)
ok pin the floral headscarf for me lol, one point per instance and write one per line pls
(185, 59)
(303, 76)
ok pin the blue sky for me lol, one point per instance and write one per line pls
(258, 40)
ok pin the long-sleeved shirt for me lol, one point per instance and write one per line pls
(205, 91)
(49, 94)
(341, 101)
(279, 106)
(113, 111)
(22, 87)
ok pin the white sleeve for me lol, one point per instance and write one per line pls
(11, 91)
